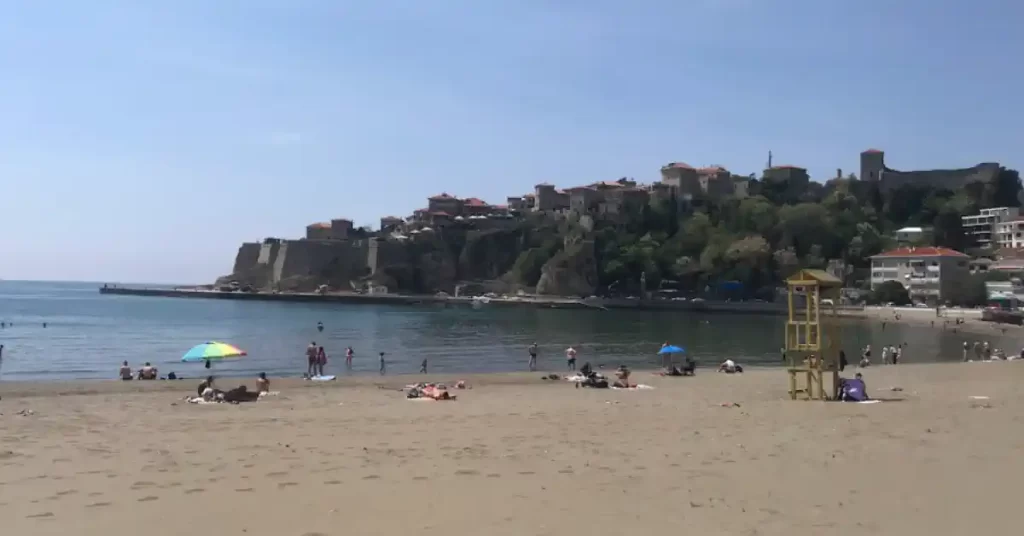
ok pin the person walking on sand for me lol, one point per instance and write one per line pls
(311, 359)
(533, 357)
(423, 366)
(383, 365)
(570, 358)
(966, 346)
(321, 360)
(349, 353)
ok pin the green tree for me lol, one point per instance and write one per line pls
(889, 292)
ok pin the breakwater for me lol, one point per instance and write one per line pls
(403, 299)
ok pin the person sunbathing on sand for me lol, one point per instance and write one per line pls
(729, 367)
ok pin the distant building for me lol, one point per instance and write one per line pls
(982, 226)
(318, 231)
(873, 168)
(337, 229)
(549, 199)
(390, 223)
(1009, 233)
(910, 235)
(795, 176)
(931, 275)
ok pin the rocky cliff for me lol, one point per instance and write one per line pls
(523, 255)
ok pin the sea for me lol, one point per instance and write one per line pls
(87, 335)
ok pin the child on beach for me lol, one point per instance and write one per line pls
(348, 356)
(383, 366)
(570, 357)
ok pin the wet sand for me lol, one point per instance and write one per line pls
(516, 455)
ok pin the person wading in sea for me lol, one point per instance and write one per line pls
(533, 357)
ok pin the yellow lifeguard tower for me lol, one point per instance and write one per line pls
(811, 350)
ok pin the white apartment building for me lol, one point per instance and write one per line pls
(1010, 233)
(982, 226)
(931, 275)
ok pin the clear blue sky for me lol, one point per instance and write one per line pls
(143, 141)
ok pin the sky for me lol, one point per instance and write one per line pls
(144, 140)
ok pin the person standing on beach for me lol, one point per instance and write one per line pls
(383, 366)
(321, 360)
(311, 359)
(966, 346)
(533, 357)
(570, 358)
(423, 366)
(349, 353)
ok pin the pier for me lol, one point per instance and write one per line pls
(405, 299)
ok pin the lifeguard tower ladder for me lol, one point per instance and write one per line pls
(811, 350)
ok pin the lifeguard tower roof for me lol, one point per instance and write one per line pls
(821, 277)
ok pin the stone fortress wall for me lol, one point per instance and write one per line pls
(873, 168)
(295, 264)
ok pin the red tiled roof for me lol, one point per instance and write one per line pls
(439, 213)
(921, 252)
(871, 151)
(319, 225)
(678, 165)
(501, 206)
(475, 202)
(711, 170)
(442, 195)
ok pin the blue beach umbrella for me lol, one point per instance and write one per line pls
(671, 350)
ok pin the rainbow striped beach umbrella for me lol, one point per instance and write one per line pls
(212, 351)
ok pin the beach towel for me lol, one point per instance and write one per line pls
(853, 390)
(637, 387)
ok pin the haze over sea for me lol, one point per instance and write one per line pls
(88, 335)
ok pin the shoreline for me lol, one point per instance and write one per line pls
(62, 388)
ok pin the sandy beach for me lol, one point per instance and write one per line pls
(517, 455)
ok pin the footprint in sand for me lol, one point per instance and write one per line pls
(95, 493)
(467, 472)
(566, 471)
(67, 492)
(527, 473)
(40, 516)
(283, 485)
(243, 490)
(493, 475)
(277, 474)
(421, 478)
(142, 484)
(149, 498)
(371, 477)
(332, 482)
(194, 490)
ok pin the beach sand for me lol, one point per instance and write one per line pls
(516, 455)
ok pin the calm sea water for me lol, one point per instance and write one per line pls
(88, 335)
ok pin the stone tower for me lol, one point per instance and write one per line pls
(872, 164)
